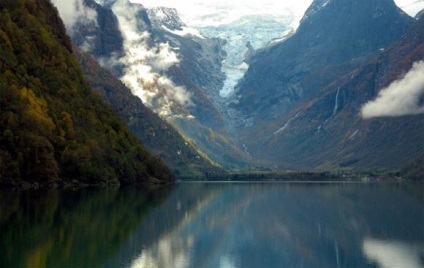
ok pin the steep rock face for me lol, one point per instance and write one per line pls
(165, 17)
(334, 37)
(102, 36)
(328, 132)
(419, 14)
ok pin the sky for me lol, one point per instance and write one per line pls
(215, 12)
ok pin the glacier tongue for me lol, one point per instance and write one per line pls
(185, 31)
(244, 35)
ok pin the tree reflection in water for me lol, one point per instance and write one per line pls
(71, 228)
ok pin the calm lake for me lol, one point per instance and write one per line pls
(216, 225)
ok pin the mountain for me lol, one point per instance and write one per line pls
(173, 69)
(158, 136)
(419, 14)
(166, 17)
(54, 128)
(199, 71)
(299, 105)
(334, 36)
(100, 35)
(310, 109)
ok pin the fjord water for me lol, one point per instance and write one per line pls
(216, 225)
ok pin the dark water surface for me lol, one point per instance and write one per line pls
(216, 225)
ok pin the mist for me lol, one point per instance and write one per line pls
(145, 65)
(402, 97)
(75, 11)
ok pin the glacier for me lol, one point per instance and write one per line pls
(242, 36)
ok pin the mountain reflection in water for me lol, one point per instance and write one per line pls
(282, 225)
(221, 225)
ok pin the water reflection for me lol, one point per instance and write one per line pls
(393, 254)
(281, 225)
(84, 228)
(216, 225)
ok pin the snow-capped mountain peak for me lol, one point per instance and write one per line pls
(168, 17)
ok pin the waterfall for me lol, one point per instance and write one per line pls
(281, 129)
(336, 104)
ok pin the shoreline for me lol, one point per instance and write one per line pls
(228, 178)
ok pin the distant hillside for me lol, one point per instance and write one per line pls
(53, 128)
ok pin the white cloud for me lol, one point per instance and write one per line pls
(177, 93)
(402, 97)
(161, 57)
(145, 65)
(75, 12)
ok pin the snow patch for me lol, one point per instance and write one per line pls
(353, 134)
(185, 31)
(315, 7)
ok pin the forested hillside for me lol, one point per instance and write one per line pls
(53, 128)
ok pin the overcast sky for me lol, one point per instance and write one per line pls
(207, 12)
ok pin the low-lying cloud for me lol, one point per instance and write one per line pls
(145, 65)
(402, 97)
(73, 11)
